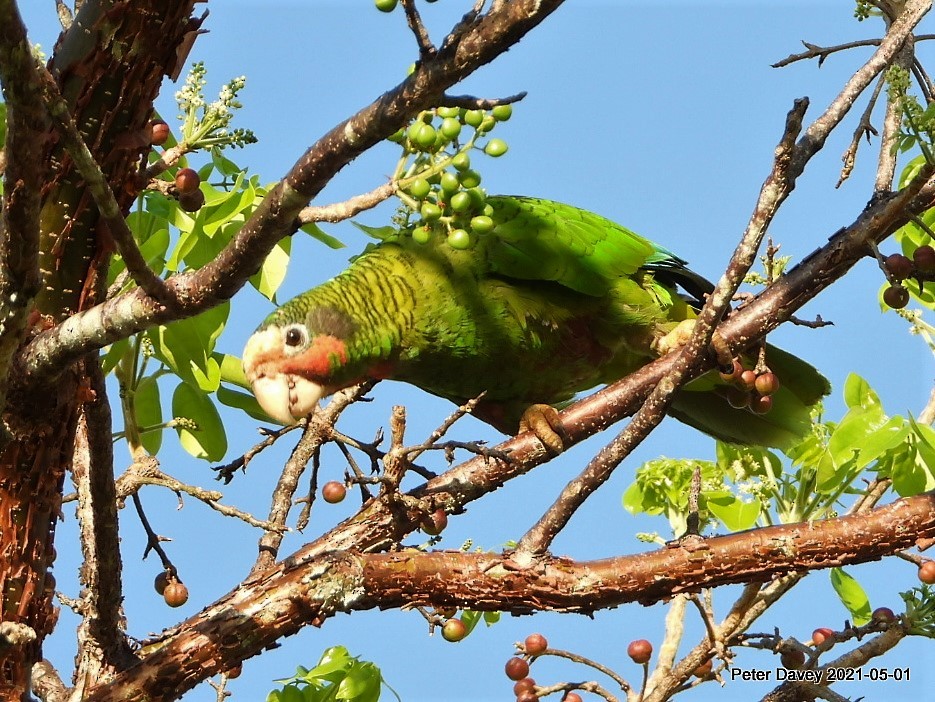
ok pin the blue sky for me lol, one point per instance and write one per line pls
(662, 116)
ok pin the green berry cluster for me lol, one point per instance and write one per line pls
(439, 189)
(899, 268)
(749, 389)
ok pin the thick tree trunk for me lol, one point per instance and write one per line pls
(109, 66)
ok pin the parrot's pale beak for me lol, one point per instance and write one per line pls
(286, 397)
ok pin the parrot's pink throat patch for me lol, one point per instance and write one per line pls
(319, 360)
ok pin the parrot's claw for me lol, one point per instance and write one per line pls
(545, 422)
(679, 337)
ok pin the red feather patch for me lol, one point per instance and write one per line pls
(320, 359)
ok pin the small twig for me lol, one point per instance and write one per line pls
(426, 49)
(582, 660)
(816, 323)
(863, 130)
(470, 102)
(707, 616)
(340, 211)
(823, 52)
(226, 472)
(152, 539)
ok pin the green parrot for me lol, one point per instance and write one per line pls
(553, 300)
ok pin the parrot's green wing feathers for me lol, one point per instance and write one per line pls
(542, 240)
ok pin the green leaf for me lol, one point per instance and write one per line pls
(381, 233)
(884, 439)
(316, 232)
(734, 513)
(361, 682)
(852, 596)
(290, 693)
(858, 393)
(207, 439)
(185, 347)
(273, 271)
(148, 410)
(231, 369)
(113, 355)
(245, 402)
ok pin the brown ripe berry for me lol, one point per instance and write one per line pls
(571, 697)
(524, 685)
(235, 671)
(454, 630)
(435, 523)
(160, 582)
(158, 132)
(175, 594)
(187, 180)
(927, 572)
(924, 258)
(704, 670)
(527, 696)
(898, 266)
(516, 668)
(883, 615)
(748, 380)
(192, 202)
(761, 404)
(535, 644)
(793, 660)
(896, 296)
(819, 636)
(333, 492)
(640, 651)
(767, 383)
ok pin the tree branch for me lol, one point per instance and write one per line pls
(279, 602)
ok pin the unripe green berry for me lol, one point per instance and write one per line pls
(450, 183)
(420, 188)
(385, 5)
(481, 224)
(445, 112)
(459, 239)
(450, 128)
(430, 211)
(496, 147)
(486, 124)
(421, 235)
(470, 179)
(474, 118)
(460, 202)
(461, 161)
(502, 113)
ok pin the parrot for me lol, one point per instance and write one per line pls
(553, 300)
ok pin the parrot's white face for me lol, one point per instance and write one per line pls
(272, 364)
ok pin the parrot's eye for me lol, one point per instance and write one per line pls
(295, 336)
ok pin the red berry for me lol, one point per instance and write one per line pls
(767, 383)
(235, 671)
(193, 201)
(333, 492)
(883, 615)
(160, 582)
(898, 266)
(435, 523)
(175, 594)
(761, 404)
(748, 380)
(927, 572)
(704, 670)
(516, 668)
(924, 258)
(640, 651)
(454, 630)
(527, 696)
(571, 697)
(524, 685)
(535, 644)
(896, 296)
(819, 636)
(187, 180)
(793, 659)
(158, 132)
